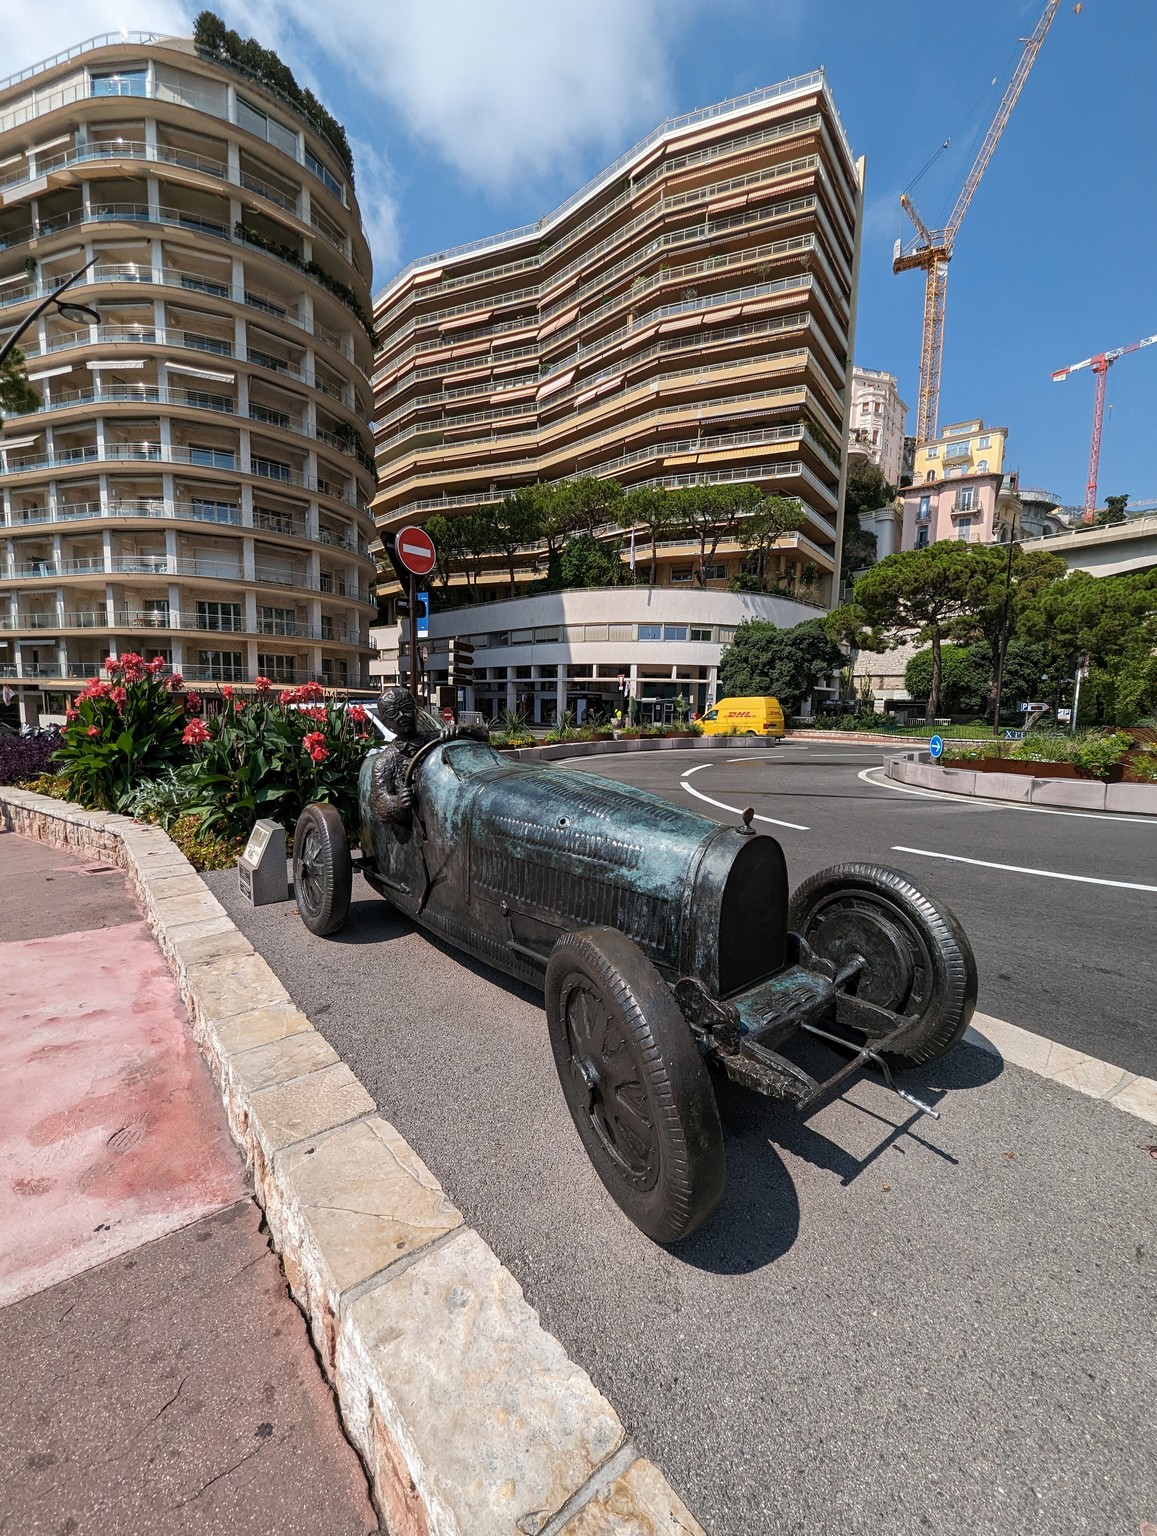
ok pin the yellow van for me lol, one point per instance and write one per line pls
(744, 717)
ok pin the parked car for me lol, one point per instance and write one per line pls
(665, 944)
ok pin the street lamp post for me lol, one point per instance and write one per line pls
(69, 311)
(1003, 638)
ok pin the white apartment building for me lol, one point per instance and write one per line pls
(876, 422)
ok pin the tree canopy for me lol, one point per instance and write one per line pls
(786, 663)
(17, 396)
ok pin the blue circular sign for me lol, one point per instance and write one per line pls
(936, 746)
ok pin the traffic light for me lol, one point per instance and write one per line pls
(461, 661)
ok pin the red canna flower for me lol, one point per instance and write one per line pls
(262, 684)
(195, 733)
(119, 697)
(93, 730)
(193, 702)
(227, 691)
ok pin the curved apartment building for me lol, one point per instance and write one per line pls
(196, 481)
(685, 317)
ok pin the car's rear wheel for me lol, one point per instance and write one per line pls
(322, 869)
(914, 958)
(634, 1082)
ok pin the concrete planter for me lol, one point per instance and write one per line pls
(1026, 788)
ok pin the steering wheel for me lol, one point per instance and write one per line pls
(423, 751)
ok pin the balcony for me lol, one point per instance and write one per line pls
(220, 513)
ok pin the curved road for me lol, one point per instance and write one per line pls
(892, 1325)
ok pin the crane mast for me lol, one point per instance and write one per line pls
(932, 249)
(1100, 364)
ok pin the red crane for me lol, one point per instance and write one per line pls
(1100, 363)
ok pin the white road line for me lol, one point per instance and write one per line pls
(1021, 869)
(735, 810)
(867, 775)
(688, 771)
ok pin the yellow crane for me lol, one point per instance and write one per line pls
(932, 249)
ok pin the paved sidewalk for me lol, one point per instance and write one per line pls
(157, 1376)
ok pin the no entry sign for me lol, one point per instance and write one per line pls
(415, 549)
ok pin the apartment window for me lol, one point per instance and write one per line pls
(964, 499)
(963, 529)
(681, 576)
(674, 631)
(925, 507)
(650, 631)
(274, 418)
(203, 285)
(122, 82)
(922, 538)
(335, 672)
(875, 435)
(216, 511)
(279, 669)
(156, 612)
(271, 469)
(866, 408)
(213, 458)
(277, 522)
(222, 616)
(319, 170)
(932, 453)
(984, 442)
(701, 634)
(930, 475)
(717, 572)
(879, 407)
(957, 451)
(266, 127)
(278, 621)
(221, 666)
(546, 636)
(982, 467)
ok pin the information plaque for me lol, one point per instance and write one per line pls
(261, 868)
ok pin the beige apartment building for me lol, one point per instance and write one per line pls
(686, 317)
(197, 479)
(877, 418)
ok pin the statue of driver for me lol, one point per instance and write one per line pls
(391, 798)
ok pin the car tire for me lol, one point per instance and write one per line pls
(919, 963)
(634, 1082)
(322, 869)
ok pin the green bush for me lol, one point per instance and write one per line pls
(272, 756)
(1094, 751)
(122, 731)
(202, 849)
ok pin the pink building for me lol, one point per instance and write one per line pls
(960, 490)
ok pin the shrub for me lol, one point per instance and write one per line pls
(271, 756)
(26, 757)
(1094, 751)
(202, 849)
(121, 732)
(512, 731)
(48, 784)
(163, 800)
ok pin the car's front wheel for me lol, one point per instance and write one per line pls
(634, 1082)
(322, 869)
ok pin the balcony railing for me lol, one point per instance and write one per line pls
(212, 568)
(219, 513)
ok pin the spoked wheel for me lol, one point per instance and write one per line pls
(322, 870)
(910, 956)
(634, 1082)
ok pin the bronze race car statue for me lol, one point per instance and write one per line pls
(664, 942)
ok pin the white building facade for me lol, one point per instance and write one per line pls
(876, 422)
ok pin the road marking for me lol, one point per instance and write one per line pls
(867, 776)
(697, 767)
(1061, 1064)
(734, 810)
(1022, 869)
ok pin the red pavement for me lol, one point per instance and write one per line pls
(157, 1375)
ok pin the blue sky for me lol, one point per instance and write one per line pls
(471, 116)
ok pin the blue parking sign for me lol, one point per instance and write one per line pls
(936, 746)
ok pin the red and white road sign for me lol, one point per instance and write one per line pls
(415, 549)
(448, 715)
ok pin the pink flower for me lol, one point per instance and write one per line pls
(195, 733)
(71, 715)
(357, 714)
(111, 664)
(157, 665)
(97, 689)
(310, 693)
(227, 691)
(119, 697)
(176, 682)
(262, 684)
(93, 730)
(193, 702)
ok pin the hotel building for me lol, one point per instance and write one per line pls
(686, 317)
(197, 479)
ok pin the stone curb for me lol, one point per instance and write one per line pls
(1021, 789)
(468, 1414)
(562, 749)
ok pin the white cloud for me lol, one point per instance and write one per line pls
(35, 31)
(509, 90)
(378, 206)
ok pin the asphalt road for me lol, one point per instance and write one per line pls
(1072, 960)
(892, 1325)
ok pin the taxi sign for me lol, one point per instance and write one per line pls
(936, 746)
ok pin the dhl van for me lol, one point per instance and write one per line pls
(744, 717)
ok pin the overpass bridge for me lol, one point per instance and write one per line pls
(1108, 551)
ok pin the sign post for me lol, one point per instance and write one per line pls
(415, 550)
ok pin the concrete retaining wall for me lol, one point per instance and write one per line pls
(469, 1416)
(1075, 794)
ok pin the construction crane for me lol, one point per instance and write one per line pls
(1100, 363)
(932, 249)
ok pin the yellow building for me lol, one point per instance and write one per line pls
(965, 448)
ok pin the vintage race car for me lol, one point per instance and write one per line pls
(665, 944)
